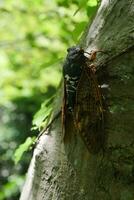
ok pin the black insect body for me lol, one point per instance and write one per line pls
(82, 96)
(72, 70)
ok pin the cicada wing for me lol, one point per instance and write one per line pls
(88, 109)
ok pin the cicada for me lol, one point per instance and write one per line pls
(83, 97)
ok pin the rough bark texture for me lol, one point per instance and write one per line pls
(64, 169)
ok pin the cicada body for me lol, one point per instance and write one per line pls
(72, 70)
(82, 97)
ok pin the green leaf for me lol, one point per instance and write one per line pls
(91, 10)
(23, 148)
(42, 117)
(84, 4)
(92, 3)
(78, 30)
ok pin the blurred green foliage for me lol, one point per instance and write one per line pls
(22, 148)
(34, 36)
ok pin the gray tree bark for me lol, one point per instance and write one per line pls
(64, 169)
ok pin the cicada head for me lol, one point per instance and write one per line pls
(75, 53)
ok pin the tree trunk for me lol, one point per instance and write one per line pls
(64, 169)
